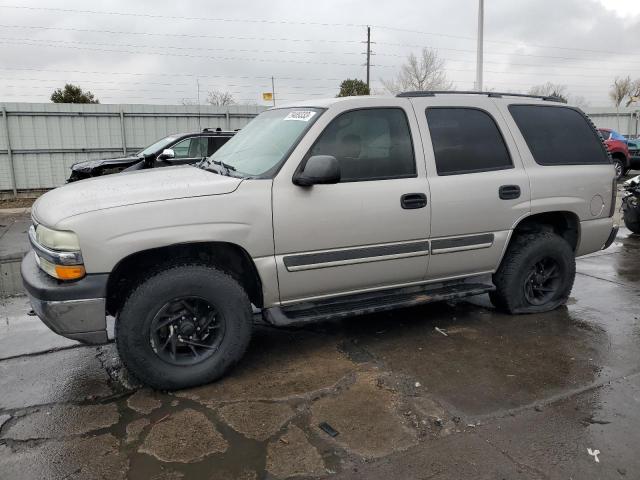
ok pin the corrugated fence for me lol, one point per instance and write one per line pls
(40, 141)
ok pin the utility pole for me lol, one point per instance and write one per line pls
(273, 91)
(368, 54)
(480, 45)
(199, 111)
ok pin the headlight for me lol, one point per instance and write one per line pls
(57, 239)
(57, 252)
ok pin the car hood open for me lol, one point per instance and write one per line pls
(129, 188)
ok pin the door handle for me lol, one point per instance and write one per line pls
(409, 201)
(509, 192)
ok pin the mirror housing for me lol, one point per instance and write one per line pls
(167, 154)
(319, 169)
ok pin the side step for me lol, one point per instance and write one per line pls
(371, 302)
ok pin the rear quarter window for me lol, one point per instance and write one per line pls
(559, 135)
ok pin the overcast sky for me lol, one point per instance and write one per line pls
(157, 52)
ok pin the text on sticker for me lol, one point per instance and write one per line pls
(301, 115)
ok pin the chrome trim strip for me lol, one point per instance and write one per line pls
(380, 258)
(53, 256)
(460, 244)
(349, 256)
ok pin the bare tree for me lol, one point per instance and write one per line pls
(634, 92)
(426, 72)
(550, 90)
(620, 90)
(188, 101)
(220, 98)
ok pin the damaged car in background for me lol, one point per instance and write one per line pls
(175, 149)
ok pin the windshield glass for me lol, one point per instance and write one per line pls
(158, 146)
(260, 147)
(616, 136)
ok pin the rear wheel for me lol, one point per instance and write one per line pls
(183, 326)
(536, 274)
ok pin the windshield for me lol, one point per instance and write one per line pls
(260, 147)
(616, 136)
(158, 146)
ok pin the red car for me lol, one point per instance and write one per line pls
(617, 147)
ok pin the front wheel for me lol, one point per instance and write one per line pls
(536, 274)
(183, 326)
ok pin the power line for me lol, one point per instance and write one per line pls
(291, 22)
(34, 43)
(176, 17)
(128, 45)
(181, 35)
(102, 72)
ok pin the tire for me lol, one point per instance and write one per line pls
(521, 290)
(207, 298)
(621, 171)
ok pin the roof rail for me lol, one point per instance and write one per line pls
(433, 93)
(218, 129)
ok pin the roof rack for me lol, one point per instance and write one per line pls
(218, 129)
(433, 93)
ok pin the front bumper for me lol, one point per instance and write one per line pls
(75, 310)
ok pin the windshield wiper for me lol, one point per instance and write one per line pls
(225, 168)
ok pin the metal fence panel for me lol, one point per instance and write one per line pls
(46, 139)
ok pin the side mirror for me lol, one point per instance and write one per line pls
(167, 154)
(319, 169)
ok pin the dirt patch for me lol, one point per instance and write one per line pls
(62, 421)
(78, 458)
(144, 402)
(256, 420)
(187, 436)
(366, 419)
(292, 455)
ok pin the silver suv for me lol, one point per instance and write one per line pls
(323, 210)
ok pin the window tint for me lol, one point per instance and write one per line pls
(370, 144)
(215, 143)
(558, 135)
(195, 147)
(466, 140)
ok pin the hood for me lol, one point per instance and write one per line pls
(89, 165)
(129, 188)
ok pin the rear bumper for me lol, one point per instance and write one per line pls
(74, 310)
(612, 237)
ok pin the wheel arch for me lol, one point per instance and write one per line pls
(228, 257)
(564, 223)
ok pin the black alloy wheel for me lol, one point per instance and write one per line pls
(186, 331)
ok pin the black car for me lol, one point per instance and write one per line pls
(177, 149)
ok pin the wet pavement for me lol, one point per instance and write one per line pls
(498, 396)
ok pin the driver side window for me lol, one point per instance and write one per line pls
(369, 144)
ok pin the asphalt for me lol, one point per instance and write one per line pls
(498, 396)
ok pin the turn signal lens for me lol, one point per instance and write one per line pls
(72, 272)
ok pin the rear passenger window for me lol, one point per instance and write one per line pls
(558, 135)
(369, 144)
(466, 140)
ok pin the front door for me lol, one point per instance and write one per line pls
(363, 233)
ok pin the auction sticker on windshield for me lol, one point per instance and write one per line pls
(300, 115)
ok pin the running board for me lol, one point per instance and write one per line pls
(370, 302)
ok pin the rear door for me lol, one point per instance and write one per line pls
(479, 188)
